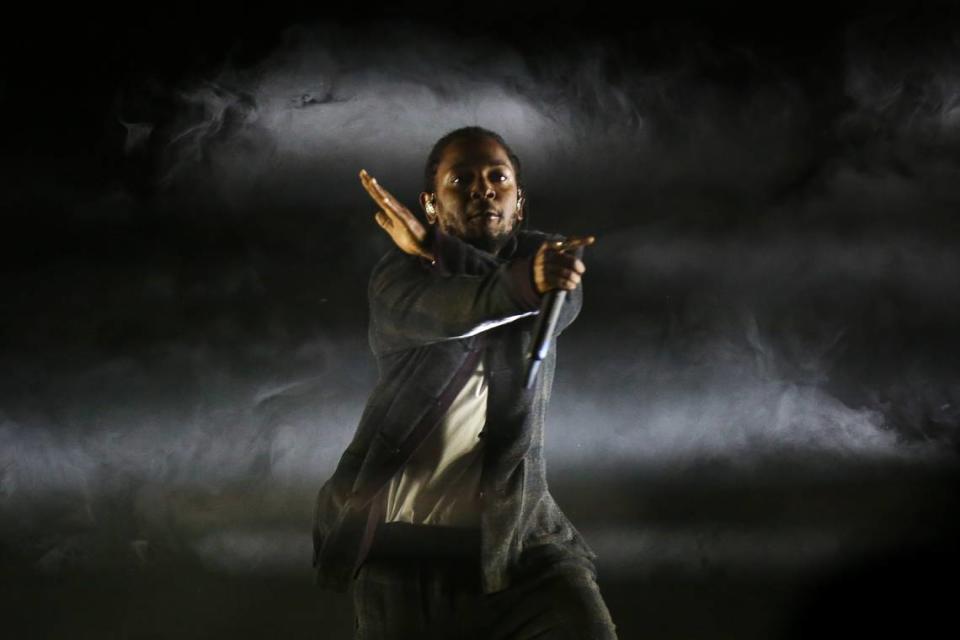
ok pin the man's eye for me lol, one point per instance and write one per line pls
(499, 177)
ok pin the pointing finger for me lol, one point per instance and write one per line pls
(574, 242)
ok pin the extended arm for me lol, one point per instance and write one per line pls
(414, 301)
(453, 255)
(413, 304)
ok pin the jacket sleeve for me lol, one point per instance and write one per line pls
(464, 291)
(412, 304)
(454, 256)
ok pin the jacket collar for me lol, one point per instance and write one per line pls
(510, 247)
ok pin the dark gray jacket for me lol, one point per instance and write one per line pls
(429, 322)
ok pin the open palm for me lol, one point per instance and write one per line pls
(394, 218)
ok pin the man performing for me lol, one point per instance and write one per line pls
(438, 512)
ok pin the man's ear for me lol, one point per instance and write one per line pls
(427, 201)
(520, 202)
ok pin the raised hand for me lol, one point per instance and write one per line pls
(394, 218)
(553, 268)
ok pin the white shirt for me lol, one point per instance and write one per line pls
(440, 483)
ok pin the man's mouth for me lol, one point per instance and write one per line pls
(486, 215)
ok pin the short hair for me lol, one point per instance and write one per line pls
(433, 160)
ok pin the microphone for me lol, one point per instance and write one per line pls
(544, 327)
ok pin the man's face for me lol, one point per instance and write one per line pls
(476, 193)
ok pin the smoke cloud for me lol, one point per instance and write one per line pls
(775, 277)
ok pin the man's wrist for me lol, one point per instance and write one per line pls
(521, 278)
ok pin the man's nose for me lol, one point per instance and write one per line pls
(481, 188)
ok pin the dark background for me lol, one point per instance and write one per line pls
(755, 417)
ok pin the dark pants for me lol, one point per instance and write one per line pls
(410, 597)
